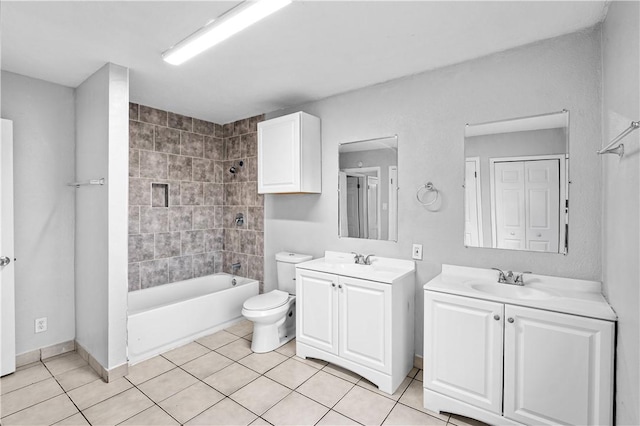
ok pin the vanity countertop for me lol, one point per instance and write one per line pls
(566, 295)
(382, 269)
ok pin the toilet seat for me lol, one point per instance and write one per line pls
(266, 301)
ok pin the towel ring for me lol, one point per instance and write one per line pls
(429, 188)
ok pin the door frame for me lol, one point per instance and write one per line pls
(362, 171)
(478, 198)
(563, 193)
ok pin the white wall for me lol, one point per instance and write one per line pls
(621, 200)
(101, 214)
(428, 112)
(44, 141)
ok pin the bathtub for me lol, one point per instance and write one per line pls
(165, 317)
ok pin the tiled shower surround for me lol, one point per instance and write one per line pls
(183, 200)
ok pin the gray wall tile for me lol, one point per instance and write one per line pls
(229, 218)
(167, 245)
(139, 192)
(180, 218)
(134, 276)
(154, 273)
(243, 126)
(180, 268)
(180, 168)
(248, 242)
(249, 194)
(218, 171)
(202, 170)
(232, 240)
(233, 194)
(153, 116)
(255, 220)
(134, 220)
(231, 258)
(180, 122)
(140, 247)
(227, 130)
(259, 244)
(133, 111)
(249, 143)
(214, 149)
(233, 148)
(213, 194)
(191, 193)
(174, 194)
(252, 169)
(255, 267)
(203, 264)
(203, 217)
(192, 242)
(140, 135)
(191, 144)
(214, 240)
(219, 132)
(153, 165)
(167, 140)
(154, 219)
(134, 163)
(218, 217)
(206, 128)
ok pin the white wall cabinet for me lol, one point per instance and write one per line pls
(289, 154)
(557, 368)
(362, 325)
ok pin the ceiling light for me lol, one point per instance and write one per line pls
(222, 28)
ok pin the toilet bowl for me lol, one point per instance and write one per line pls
(274, 313)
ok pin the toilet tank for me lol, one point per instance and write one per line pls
(286, 264)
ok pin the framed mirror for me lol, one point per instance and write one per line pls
(516, 188)
(368, 189)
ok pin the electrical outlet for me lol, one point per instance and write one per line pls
(41, 324)
(417, 252)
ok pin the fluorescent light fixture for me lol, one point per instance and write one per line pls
(236, 20)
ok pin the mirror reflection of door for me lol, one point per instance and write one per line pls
(372, 207)
(526, 202)
(473, 203)
(354, 214)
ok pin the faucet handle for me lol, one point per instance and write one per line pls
(520, 277)
(358, 258)
(367, 260)
(501, 276)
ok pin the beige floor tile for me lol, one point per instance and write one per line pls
(260, 395)
(413, 373)
(225, 412)
(465, 421)
(419, 375)
(262, 362)
(167, 384)
(291, 373)
(153, 416)
(75, 420)
(118, 408)
(396, 395)
(403, 415)
(215, 340)
(148, 369)
(315, 363)
(47, 412)
(343, 373)
(248, 337)
(260, 422)
(243, 328)
(413, 397)
(186, 353)
(288, 349)
(364, 406)
(75, 378)
(97, 391)
(336, 419)
(65, 362)
(295, 409)
(24, 377)
(190, 402)
(231, 378)
(29, 395)
(325, 388)
(236, 350)
(206, 365)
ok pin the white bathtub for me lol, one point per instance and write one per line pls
(165, 317)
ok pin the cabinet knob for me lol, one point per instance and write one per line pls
(496, 317)
(340, 286)
(510, 319)
(333, 284)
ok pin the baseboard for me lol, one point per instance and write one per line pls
(106, 375)
(417, 362)
(44, 353)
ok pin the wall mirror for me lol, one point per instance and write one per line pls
(368, 189)
(516, 187)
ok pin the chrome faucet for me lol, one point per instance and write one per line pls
(510, 278)
(361, 259)
(235, 267)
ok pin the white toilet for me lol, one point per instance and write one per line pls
(274, 313)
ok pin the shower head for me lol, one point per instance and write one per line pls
(233, 169)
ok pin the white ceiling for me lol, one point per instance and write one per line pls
(306, 51)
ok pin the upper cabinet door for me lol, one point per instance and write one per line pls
(289, 154)
(558, 368)
(463, 349)
(316, 310)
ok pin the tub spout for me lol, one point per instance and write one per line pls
(235, 267)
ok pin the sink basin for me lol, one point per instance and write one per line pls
(512, 291)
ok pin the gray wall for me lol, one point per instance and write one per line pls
(44, 141)
(621, 201)
(428, 112)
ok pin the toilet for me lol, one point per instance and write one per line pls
(274, 313)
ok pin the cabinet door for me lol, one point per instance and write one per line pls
(365, 322)
(316, 315)
(558, 368)
(279, 155)
(463, 349)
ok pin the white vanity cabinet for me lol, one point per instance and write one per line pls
(289, 154)
(363, 325)
(509, 364)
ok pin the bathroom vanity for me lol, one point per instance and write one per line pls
(359, 317)
(541, 353)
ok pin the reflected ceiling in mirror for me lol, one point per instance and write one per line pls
(516, 192)
(368, 189)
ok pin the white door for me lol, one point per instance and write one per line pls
(279, 154)
(7, 296)
(372, 207)
(463, 349)
(558, 368)
(508, 208)
(393, 203)
(365, 323)
(316, 310)
(542, 204)
(472, 205)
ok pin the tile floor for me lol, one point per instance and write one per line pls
(216, 380)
